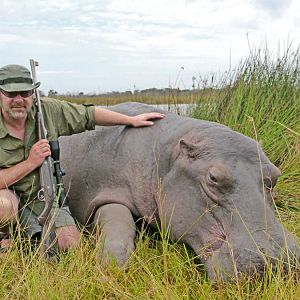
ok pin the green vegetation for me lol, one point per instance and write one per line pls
(156, 270)
(149, 96)
(261, 99)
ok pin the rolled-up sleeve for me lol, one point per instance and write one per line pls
(64, 118)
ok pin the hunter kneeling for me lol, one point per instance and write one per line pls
(27, 124)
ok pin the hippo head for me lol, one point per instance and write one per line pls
(218, 198)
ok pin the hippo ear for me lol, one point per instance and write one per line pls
(188, 149)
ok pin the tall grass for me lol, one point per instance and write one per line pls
(156, 270)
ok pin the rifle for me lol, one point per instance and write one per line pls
(47, 193)
(58, 173)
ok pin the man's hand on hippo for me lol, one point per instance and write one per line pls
(107, 117)
(144, 119)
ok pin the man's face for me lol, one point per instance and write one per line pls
(16, 104)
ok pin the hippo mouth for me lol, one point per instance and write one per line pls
(215, 243)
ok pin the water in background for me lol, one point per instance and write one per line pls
(180, 109)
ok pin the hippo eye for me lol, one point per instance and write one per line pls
(212, 178)
(218, 177)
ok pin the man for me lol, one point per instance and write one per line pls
(21, 154)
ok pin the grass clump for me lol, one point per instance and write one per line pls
(157, 269)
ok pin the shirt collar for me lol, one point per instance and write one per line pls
(3, 130)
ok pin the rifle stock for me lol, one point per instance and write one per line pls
(47, 193)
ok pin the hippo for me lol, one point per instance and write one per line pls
(209, 186)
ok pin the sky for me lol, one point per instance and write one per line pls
(99, 46)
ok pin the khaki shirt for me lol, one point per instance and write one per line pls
(61, 118)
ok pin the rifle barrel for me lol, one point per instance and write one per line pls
(47, 192)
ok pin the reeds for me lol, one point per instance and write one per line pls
(157, 269)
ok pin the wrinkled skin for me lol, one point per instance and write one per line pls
(211, 186)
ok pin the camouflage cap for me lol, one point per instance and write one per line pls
(16, 78)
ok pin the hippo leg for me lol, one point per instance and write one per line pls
(117, 232)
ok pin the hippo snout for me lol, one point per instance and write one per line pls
(229, 262)
(216, 241)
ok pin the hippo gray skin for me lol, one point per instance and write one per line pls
(209, 185)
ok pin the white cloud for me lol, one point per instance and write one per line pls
(112, 45)
(274, 8)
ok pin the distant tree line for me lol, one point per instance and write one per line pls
(146, 92)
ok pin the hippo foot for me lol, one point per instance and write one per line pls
(117, 233)
(114, 252)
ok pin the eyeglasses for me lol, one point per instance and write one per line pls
(23, 94)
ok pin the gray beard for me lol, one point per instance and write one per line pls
(17, 115)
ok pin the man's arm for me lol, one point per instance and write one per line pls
(39, 151)
(107, 117)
